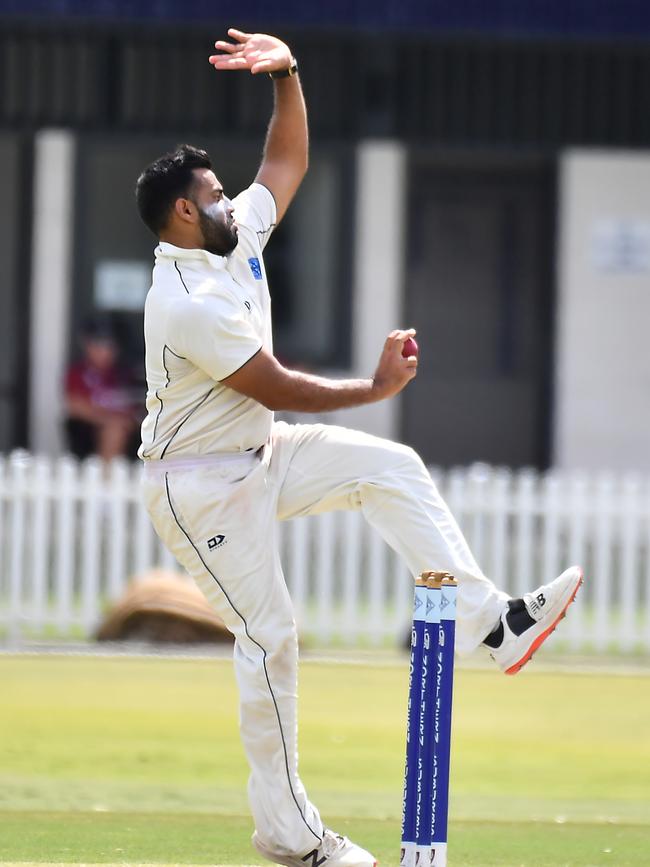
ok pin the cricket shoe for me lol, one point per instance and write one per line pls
(333, 851)
(526, 623)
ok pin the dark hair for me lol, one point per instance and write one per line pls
(168, 178)
(98, 326)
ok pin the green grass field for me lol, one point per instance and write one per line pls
(138, 761)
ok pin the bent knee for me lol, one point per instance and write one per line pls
(406, 456)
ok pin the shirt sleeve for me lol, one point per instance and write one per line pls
(255, 209)
(214, 333)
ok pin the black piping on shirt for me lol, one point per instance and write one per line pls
(184, 419)
(159, 398)
(181, 276)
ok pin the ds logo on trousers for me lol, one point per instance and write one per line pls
(216, 541)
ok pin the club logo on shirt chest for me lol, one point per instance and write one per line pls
(255, 267)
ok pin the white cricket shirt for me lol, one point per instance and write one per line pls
(205, 316)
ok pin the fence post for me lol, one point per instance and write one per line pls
(524, 506)
(91, 487)
(479, 481)
(550, 495)
(118, 511)
(40, 490)
(4, 567)
(646, 574)
(629, 595)
(577, 552)
(325, 548)
(352, 530)
(603, 562)
(65, 479)
(496, 564)
(18, 467)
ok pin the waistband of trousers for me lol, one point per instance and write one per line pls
(165, 465)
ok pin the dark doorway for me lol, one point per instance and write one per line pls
(16, 166)
(479, 289)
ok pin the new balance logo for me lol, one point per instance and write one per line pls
(537, 603)
(216, 542)
(315, 860)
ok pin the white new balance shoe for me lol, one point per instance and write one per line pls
(526, 623)
(334, 851)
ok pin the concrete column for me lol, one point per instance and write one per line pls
(51, 285)
(378, 271)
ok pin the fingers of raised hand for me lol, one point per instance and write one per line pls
(262, 66)
(239, 35)
(229, 47)
(225, 61)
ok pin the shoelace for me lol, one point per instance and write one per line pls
(332, 843)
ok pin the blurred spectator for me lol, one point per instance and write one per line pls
(102, 412)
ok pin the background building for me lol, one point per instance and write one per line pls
(478, 172)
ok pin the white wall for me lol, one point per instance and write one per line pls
(602, 406)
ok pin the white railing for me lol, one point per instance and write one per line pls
(72, 537)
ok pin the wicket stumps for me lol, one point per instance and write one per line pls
(428, 724)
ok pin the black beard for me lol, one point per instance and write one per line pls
(217, 238)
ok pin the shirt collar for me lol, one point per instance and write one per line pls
(169, 251)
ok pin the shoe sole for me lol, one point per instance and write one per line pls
(279, 859)
(537, 643)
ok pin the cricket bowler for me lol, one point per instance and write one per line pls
(220, 472)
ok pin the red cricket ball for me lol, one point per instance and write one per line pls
(410, 348)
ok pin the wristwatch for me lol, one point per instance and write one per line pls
(286, 73)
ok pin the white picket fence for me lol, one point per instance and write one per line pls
(71, 538)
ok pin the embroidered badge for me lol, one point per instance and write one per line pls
(256, 268)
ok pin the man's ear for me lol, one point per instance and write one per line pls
(186, 210)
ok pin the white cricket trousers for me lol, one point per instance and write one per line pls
(218, 516)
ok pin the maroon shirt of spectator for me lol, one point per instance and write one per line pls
(101, 412)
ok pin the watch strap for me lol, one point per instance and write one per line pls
(289, 72)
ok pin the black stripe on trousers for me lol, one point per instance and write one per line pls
(257, 644)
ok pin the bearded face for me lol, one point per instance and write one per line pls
(218, 226)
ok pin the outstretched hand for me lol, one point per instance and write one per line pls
(257, 52)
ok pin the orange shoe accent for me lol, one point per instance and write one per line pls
(544, 635)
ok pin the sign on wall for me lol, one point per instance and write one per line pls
(121, 284)
(621, 246)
